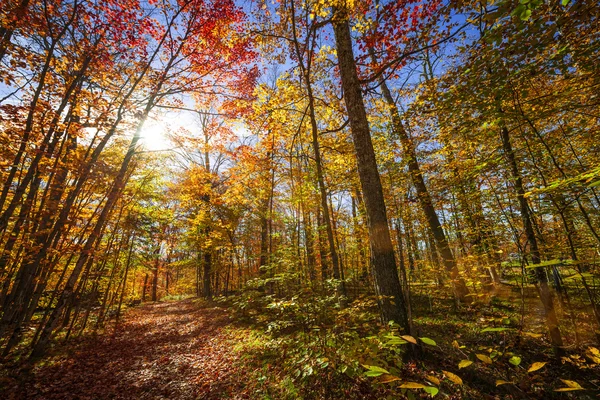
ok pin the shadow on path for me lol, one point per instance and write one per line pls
(172, 350)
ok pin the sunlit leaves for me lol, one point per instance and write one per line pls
(536, 366)
(484, 358)
(412, 385)
(374, 371)
(494, 329)
(571, 386)
(428, 341)
(515, 360)
(409, 338)
(453, 377)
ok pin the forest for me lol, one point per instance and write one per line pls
(299, 199)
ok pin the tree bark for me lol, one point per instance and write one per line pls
(387, 283)
(206, 276)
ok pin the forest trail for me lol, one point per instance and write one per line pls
(169, 350)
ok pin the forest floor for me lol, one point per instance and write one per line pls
(170, 350)
(193, 349)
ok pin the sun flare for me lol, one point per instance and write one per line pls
(154, 135)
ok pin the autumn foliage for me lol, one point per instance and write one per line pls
(401, 197)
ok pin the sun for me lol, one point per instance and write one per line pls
(154, 135)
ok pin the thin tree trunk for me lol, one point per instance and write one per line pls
(458, 283)
(305, 71)
(542, 279)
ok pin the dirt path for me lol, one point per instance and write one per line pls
(173, 350)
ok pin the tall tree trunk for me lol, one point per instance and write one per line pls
(387, 283)
(322, 249)
(198, 273)
(310, 245)
(207, 274)
(155, 277)
(144, 287)
(127, 267)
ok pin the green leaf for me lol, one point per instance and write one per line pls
(565, 2)
(428, 341)
(525, 15)
(396, 340)
(515, 360)
(519, 10)
(431, 390)
(547, 263)
(375, 371)
(594, 184)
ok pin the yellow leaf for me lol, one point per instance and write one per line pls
(594, 355)
(484, 358)
(501, 382)
(432, 379)
(412, 385)
(464, 364)
(455, 344)
(409, 338)
(388, 378)
(572, 385)
(533, 335)
(535, 366)
(453, 377)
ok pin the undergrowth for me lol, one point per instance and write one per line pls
(309, 347)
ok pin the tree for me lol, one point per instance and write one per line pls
(382, 253)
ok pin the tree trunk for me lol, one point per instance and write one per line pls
(155, 279)
(385, 273)
(305, 70)
(425, 201)
(540, 274)
(206, 277)
(145, 287)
